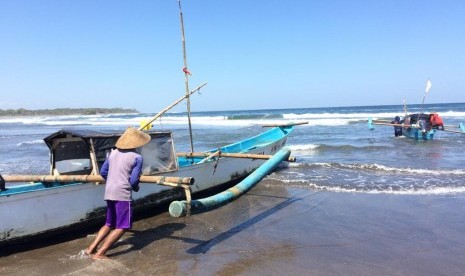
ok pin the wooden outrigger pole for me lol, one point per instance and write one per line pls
(156, 179)
(186, 76)
(146, 124)
(230, 155)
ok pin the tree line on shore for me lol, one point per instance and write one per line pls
(65, 111)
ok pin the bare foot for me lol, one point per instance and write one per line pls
(88, 252)
(99, 257)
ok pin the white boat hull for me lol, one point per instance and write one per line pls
(53, 209)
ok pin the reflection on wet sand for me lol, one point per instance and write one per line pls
(206, 245)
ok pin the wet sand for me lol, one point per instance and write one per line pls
(274, 230)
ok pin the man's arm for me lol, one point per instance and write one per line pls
(104, 169)
(136, 173)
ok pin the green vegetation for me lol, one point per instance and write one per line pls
(65, 111)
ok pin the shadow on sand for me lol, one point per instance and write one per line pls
(141, 239)
(204, 246)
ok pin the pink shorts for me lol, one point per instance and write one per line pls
(119, 214)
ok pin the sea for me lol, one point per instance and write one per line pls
(355, 202)
(335, 151)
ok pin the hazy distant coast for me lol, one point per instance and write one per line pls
(65, 111)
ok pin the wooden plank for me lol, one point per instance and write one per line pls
(286, 124)
(231, 155)
(94, 178)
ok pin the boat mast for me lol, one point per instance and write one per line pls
(405, 108)
(428, 87)
(186, 76)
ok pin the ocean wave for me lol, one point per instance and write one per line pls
(100, 120)
(360, 116)
(382, 168)
(34, 142)
(303, 148)
(254, 116)
(317, 117)
(386, 189)
(344, 147)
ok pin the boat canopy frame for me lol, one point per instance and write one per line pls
(81, 152)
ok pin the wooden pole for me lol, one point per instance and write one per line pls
(398, 125)
(181, 182)
(186, 76)
(453, 131)
(286, 124)
(210, 156)
(171, 106)
(231, 155)
(94, 178)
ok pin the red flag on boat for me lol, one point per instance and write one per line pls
(186, 71)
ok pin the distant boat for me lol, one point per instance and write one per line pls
(418, 126)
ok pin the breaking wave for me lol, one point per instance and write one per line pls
(317, 116)
(382, 168)
(366, 189)
(34, 142)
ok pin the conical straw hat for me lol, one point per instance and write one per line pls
(132, 138)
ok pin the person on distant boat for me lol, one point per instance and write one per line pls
(406, 121)
(397, 129)
(422, 125)
(122, 170)
(436, 121)
(2, 184)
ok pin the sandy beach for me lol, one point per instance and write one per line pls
(275, 230)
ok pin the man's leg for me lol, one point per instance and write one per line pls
(113, 237)
(102, 233)
(123, 221)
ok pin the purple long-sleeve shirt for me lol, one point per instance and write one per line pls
(122, 170)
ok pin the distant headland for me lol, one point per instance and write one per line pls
(65, 111)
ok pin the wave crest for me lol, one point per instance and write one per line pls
(379, 168)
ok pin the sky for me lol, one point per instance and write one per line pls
(262, 54)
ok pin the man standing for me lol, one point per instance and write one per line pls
(397, 129)
(122, 170)
(436, 121)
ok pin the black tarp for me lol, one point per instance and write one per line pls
(159, 155)
(414, 118)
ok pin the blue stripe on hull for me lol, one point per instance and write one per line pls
(417, 134)
(261, 140)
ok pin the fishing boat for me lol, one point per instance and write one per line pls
(71, 195)
(418, 126)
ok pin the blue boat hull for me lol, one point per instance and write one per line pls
(417, 134)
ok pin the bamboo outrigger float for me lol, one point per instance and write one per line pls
(184, 207)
